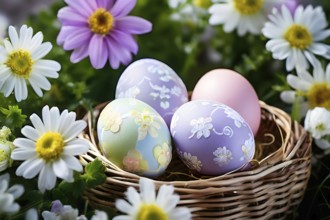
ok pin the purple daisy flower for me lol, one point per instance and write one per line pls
(102, 30)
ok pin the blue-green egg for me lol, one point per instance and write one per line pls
(134, 137)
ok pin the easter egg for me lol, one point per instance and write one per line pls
(133, 136)
(211, 138)
(232, 89)
(154, 83)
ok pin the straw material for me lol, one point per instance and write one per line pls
(270, 189)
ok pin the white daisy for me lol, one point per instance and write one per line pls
(189, 11)
(317, 122)
(49, 148)
(21, 62)
(99, 215)
(147, 205)
(296, 37)
(8, 196)
(247, 16)
(311, 91)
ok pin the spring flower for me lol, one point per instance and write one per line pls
(295, 38)
(58, 211)
(21, 62)
(317, 122)
(147, 205)
(6, 148)
(49, 148)
(247, 16)
(99, 215)
(101, 30)
(313, 91)
(31, 214)
(3, 26)
(189, 11)
(8, 196)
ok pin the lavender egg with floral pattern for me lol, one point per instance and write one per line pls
(156, 84)
(211, 138)
(133, 136)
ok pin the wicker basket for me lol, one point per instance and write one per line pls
(271, 189)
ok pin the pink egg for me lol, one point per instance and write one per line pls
(232, 89)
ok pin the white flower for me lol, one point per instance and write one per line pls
(243, 15)
(3, 25)
(317, 122)
(21, 62)
(99, 215)
(6, 148)
(296, 37)
(201, 127)
(147, 205)
(189, 11)
(311, 91)
(31, 214)
(8, 196)
(49, 148)
(59, 212)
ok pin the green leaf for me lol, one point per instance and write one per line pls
(94, 174)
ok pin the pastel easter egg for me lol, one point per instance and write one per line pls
(232, 89)
(154, 83)
(211, 138)
(134, 137)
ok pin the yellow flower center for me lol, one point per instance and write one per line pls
(50, 146)
(248, 7)
(319, 95)
(101, 21)
(151, 212)
(320, 127)
(298, 36)
(202, 3)
(20, 63)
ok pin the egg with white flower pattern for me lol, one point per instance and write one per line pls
(154, 83)
(211, 138)
(134, 137)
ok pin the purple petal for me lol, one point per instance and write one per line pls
(64, 32)
(117, 54)
(68, 16)
(122, 8)
(133, 25)
(114, 61)
(126, 40)
(79, 54)
(77, 38)
(106, 4)
(80, 7)
(98, 51)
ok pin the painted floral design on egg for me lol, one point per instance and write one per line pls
(163, 154)
(191, 162)
(201, 127)
(134, 162)
(113, 121)
(148, 123)
(247, 149)
(222, 156)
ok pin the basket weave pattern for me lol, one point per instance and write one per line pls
(271, 189)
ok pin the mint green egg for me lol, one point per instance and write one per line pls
(133, 136)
